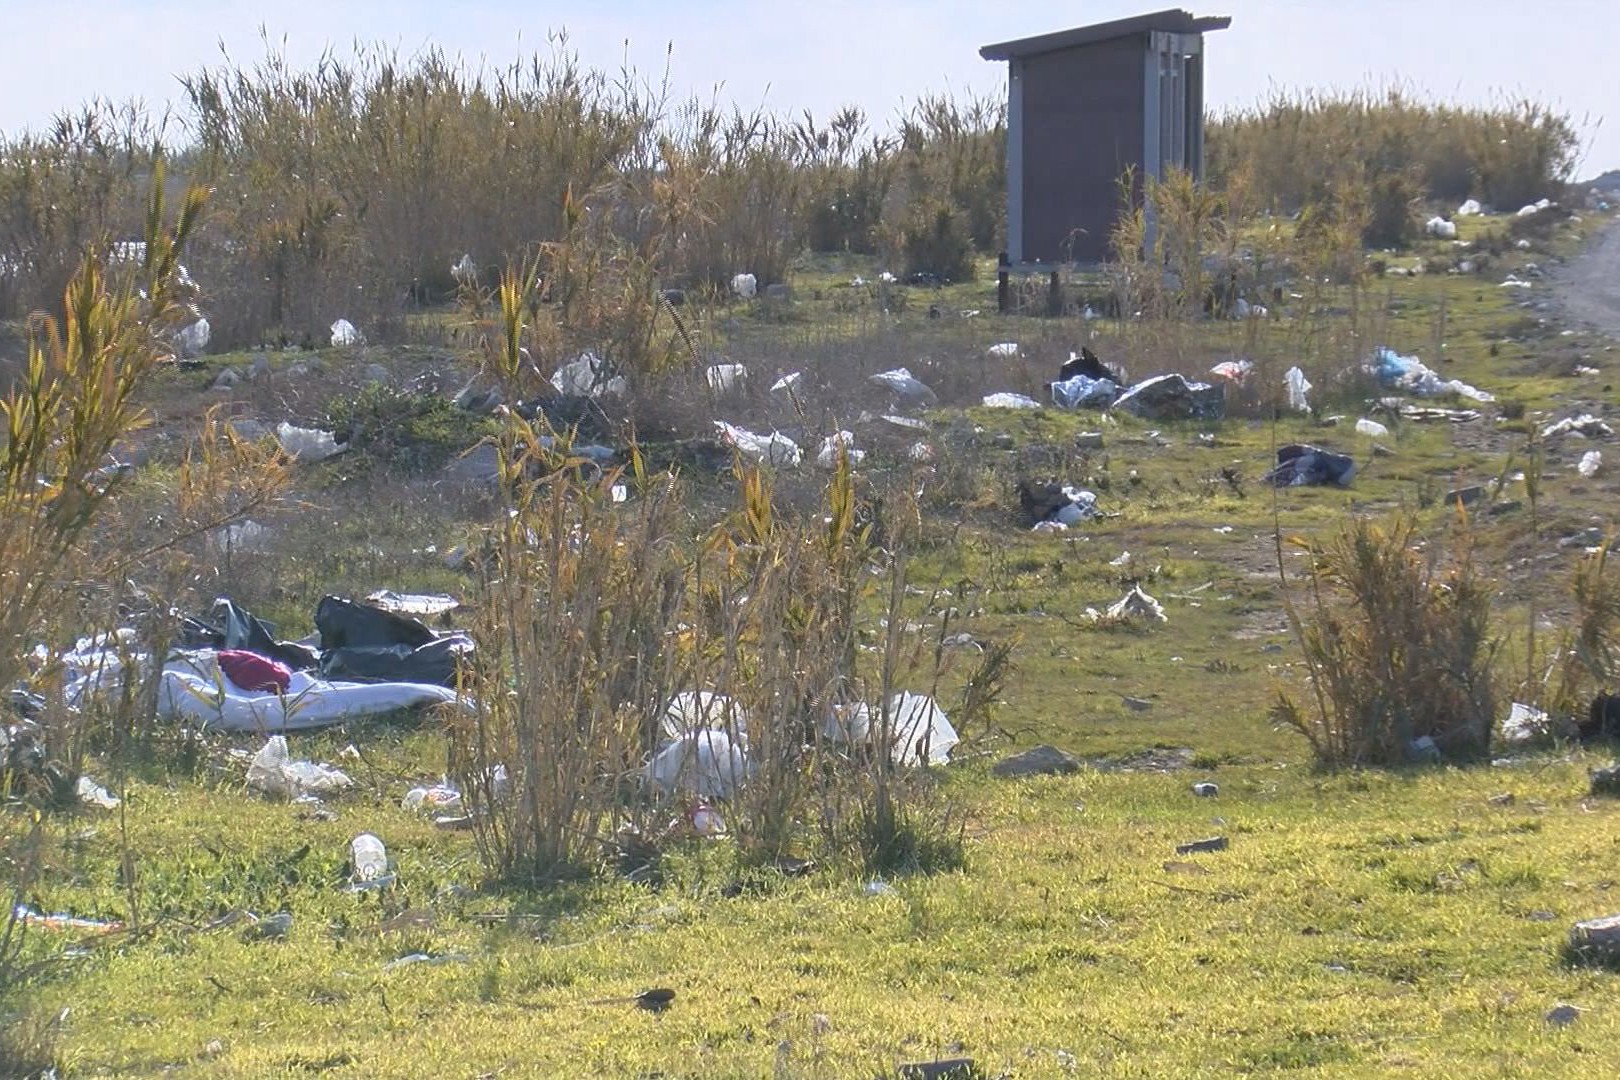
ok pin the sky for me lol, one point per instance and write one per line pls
(824, 54)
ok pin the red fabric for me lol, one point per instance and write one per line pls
(250, 671)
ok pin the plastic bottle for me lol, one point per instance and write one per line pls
(370, 857)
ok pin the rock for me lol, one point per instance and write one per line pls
(226, 379)
(478, 396)
(1508, 506)
(260, 368)
(1213, 843)
(1424, 750)
(1467, 496)
(376, 373)
(1137, 704)
(480, 466)
(249, 430)
(1606, 781)
(778, 292)
(1596, 941)
(1037, 761)
(1088, 440)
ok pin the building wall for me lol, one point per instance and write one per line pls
(1082, 124)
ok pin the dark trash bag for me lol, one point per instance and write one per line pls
(1300, 465)
(363, 643)
(230, 627)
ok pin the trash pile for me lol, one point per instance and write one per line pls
(1053, 507)
(1411, 375)
(1301, 465)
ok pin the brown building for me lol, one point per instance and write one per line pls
(1083, 107)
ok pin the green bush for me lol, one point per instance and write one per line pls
(936, 239)
(407, 430)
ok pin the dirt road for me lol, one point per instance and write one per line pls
(1588, 287)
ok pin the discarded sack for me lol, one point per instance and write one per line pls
(1371, 427)
(307, 444)
(1086, 363)
(745, 285)
(344, 335)
(1441, 228)
(704, 710)
(1300, 465)
(833, 445)
(1010, 401)
(706, 763)
(1299, 389)
(1081, 391)
(192, 341)
(229, 627)
(1056, 503)
(921, 732)
(1172, 397)
(1585, 425)
(772, 449)
(1233, 370)
(363, 643)
(1134, 605)
(588, 375)
(906, 387)
(724, 378)
(1591, 464)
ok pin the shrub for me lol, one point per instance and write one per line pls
(413, 431)
(1397, 646)
(935, 240)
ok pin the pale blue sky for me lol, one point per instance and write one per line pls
(821, 55)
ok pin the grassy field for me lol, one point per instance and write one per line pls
(1380, 923)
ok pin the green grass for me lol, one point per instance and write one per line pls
(1377, 924)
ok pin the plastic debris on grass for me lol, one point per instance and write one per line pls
(745, 286)
(907, 387)
(345, 335)
(1233, 370)
(1299, 389)
(1082, 391)
(1585, 425)
(307, 444)
(1173, 397)
(1591, 464)
(706, 763)
(726, 378)
(1409, 374)
(273, 772)
(1135, 606)
(1373, 428)
(772, 449)
(413, 603)
(832, 445)
(1010, 401)
(588, 375)
(1300, 465)
(1006, 350)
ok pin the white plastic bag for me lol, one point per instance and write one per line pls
(1299, 388)
(272, 772)
(724, 378)
(921, 731)
(704, 710)
(344, 335)
(745, 285)
(192, 340)
(1372, 428)
(1010, 401)
(1007, 350)
(706, 763)
(827, 456)
(587, 376)
(307, 444)
(772, 449)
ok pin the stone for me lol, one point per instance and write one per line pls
(260, 368)
(779, 292)
(1563, 1015)
(1088, 440)
(1606, 781)
(480, 466)
(1596, 941)
(1206, 790)
(1137, 704)
(376, 373)
(1467, 496)
(226, 379)
(1213, 843)
(1037, 761)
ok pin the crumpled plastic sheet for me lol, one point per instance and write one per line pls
(1081, 391)
(587, 375)
(772, 449)
(1010, 401)
(906, 386)
(272, 771)
(1410, 374)
(827, 456)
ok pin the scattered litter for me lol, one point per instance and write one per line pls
(307, 444)
(1590, 464)
(705, 820)
(1563, 1015)
(920, 452)
(192, 341)
(922, 733)
(1441, 228)
(368, 857)
(271, 927)
(413, 603)
(725, 378)
(1410, 374)
(1299, 388)
(832, 445)
(411, 959)
(1469, 208)
(1058, 503)
(1007, 350)
(878, 888)
(465, 271)
(1535, 207)
(1134, 605)
(344, 335)
(248, 537)
(1596, 941)
(30, 917)
(91, 793)
(906, 386)
(1048, 527)
(1136, 704)
(705, 762)
(787, 384)
(588, 375)
(1301, 465)
(1206, 790)
(1213, 843)
(1082, 391)
(1371, 427)
(704, 710)
(1233, 370)
(1522, 245)
(772, 449)
(745, 285)
(1424, 749)
(1585, 425)
(1172, 397)
(1010, 401)
(1242, 309)
(1525, 723)
(254, 673)
(431, 800)
(272, 772)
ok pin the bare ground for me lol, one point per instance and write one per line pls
(1588, 286)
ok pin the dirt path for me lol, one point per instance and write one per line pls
(1588, 287)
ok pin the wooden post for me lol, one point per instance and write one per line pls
(1003, 295)
(1054, 296)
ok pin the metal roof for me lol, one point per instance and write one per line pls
(1171, 21)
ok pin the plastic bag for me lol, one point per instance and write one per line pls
(907, 387)
(1010, 401)
(587, 375)
(192, 340)
(772, 449)
(344, 335)
(272, 772)
(1299, 388)
(704, 763)
(745, 285)
(307, 444)
(827, 456)
(921, 731)
(725, 378)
